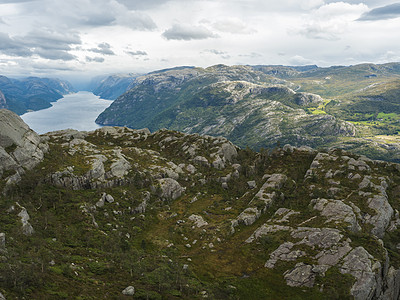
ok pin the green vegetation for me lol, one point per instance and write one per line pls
(256, 106)
(83, 251)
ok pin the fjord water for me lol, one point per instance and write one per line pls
(76, 111)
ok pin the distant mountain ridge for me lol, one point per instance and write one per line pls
(113, 86)
(32, 93)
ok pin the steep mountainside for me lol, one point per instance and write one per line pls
(237, 102)
(32, 93)
(114, 86)
(262, 105)
(118, 212)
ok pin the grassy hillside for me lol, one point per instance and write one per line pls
(175, 226)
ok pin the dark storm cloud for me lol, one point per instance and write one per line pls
(187, 33)
(390, 11)
(103, 48)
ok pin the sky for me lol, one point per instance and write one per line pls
(84, 38)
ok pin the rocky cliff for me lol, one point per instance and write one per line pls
(118, 212)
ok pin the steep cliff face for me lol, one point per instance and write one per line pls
(118, 211)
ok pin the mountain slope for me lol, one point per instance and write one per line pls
(114, 86)
(239, 103)
(167, 215)
(32, 93)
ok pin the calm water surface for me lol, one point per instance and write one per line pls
(76, 111)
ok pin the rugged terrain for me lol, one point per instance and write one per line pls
(118, 212)
(31, 93)
(261, 106)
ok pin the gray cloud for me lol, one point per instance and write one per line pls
(214, 51)
(222, 54)
(88, 13)
(140, 4)
(95, 59)
(97, 19)
(48, 39)
(16, 1)
(54, 54)
(137, 53)
(9, 46)
(390, 11)
(319, 32)
(48, 45)
(103, 48)
(52, 66)
(255, 55)
(136, 20)
(186, 32)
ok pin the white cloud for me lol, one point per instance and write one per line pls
(75, 34)
(232, 25)
(188, 32)
(299, 60)
(330, 21)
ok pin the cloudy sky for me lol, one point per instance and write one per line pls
(90, 37)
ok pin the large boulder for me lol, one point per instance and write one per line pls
(170, 189)
(20, 147)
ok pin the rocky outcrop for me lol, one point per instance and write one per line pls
(129, 291)
(170, 189)
(27, 228)
(262, 200)
(2, 241)
(305, 99)
(160, 201)
(3, 102)
(20, 147)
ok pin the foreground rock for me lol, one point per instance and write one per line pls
(20, 147)
(157, 212)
